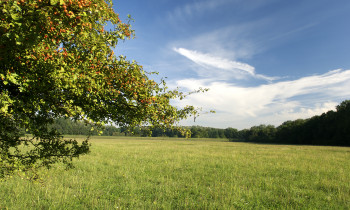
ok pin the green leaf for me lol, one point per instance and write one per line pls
(53, 2)
(15, 16)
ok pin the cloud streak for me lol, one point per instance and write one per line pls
(195, 8)
(238, 70)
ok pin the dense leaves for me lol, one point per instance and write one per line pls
(331, 128)
(56, 60)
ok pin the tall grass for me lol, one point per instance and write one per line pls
(161, 173)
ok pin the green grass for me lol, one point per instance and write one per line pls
(146, 173)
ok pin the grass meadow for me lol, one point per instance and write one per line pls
(166, 173)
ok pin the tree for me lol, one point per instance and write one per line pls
(212, 132)
(343, 126)
(231, 133)
(56, 60)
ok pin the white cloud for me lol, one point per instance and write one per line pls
(269, 104)
(220, 55)
(233, 41)
(194, 8)
(216, 62)
(237, 69)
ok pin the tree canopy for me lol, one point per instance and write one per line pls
(330, 128)
(57, 60)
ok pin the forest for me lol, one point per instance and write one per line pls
(331, 128)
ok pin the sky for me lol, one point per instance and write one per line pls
(264, 61)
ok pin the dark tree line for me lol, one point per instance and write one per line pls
(68, 127)
(331, 128)
(196, 132)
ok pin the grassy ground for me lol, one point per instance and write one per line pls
(135, 173)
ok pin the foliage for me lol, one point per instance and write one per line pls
(195, 132)
(70, 127)
(57, 61)
(331, 128)
(231, 133)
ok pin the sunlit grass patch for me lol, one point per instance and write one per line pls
(177, 173)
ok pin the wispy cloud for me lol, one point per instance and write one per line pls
(292, 32)
(271, 103)
(237, 69)
(194, 8)
(233, 41)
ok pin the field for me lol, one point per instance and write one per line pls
(146, 173)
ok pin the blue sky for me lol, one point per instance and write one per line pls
(264, 61)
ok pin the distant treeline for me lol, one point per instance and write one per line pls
(331, 128)
(66, 126)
